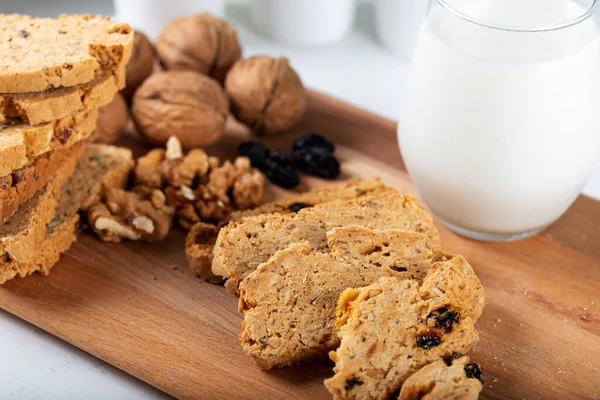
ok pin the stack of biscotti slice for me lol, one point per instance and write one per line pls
(55, 74)
(100, 167)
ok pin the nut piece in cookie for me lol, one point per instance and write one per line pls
(391, 329)
(289, 301)
(455, 378)
(139, 214)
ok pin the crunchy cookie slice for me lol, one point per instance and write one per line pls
(100, 167)
(289, 301)
(241, 247)
(201, 240)
(351, 190)
(43, 53)
(391, 329)
(455, 378)
(22, 234)
(21, 184)
(41, 107)
(21, 143)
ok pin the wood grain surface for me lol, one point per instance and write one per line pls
(139, 308)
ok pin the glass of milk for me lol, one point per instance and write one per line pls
(500, 128)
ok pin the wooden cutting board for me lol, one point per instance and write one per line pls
(139, 308)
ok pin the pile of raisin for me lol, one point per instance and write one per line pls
(312, 154)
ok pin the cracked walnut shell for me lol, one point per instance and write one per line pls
(266, 94)
(185, 104)
(200, 43)
(139, 214)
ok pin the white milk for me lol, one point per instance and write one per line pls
(500, 129)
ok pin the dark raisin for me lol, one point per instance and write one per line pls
(314, 140)
(297, 207)
(428, 341)
(350, 383)
(24, 34)
(281, 156)
(17, 176)
(444, 318)
(256, 152)
(473, 370)
(63, 135)
(317, 162)
(450, 359)
(281, 174)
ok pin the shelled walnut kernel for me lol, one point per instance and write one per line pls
(199, 187)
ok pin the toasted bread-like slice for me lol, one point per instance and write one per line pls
(351, 190)
(41, 107)
(22, 234)
(202, 237)
(241, 247)
(392, 328)
(43, 53)
(289, 302)
(22, 184)
(20, 143)
(99, 168)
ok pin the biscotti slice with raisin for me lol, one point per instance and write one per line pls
(22, 234)
(21, 143)
(43, 53)
(99, 168)
(289, 302)
(54, 104)
(241, 247)
(21, 184)
(392, 328)
(351, 190)
(455, 378)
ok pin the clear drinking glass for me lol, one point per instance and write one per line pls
(500, 128)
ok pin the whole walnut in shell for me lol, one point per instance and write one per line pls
(199, 43)
(185, 104)
(266, 94)
(112, 119)
(140, 65)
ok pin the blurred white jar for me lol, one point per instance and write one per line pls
(305, 23)
(398, 23)
(150, 16)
